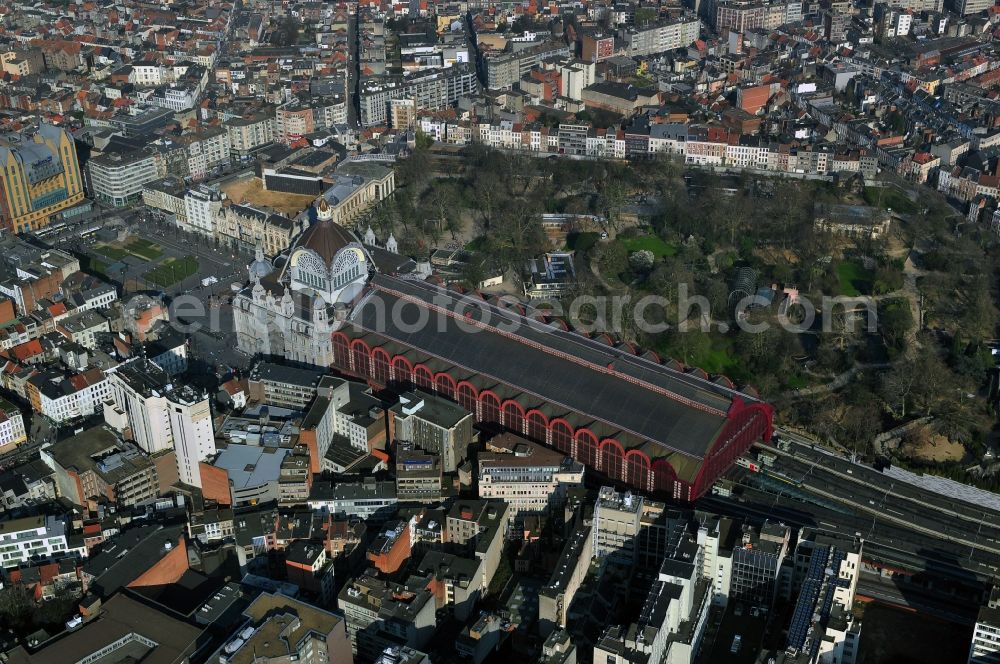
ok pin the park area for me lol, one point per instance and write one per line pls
(889, 198)
(250, 191)
(138, 247)
(854, 278)
(652, 243)
(172, 271)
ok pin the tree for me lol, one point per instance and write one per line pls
(641, 261)
(423, 140)
(896, 386)
(860, 426)
(978, 319)
(612, 259)
(644, 16)
(935, 383)
(895, 321)
(612, 199)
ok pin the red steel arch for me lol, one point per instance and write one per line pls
(664, 476)
(423, 377)
(537, 425)
(612, 459)
(360, 356)
(562, 435)
(637, 470)
(381, 366)
(586, 447)
(490, 404)
(468, 395)
(513, 415)
(445, 385)
(402, 369)
(746, 424)
(341, 350)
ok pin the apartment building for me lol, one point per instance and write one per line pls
(823, 627)
(430, 91)
(308, 567)
(629, 530)
(82, 327)
(280, 629)
(245, 228)
(368, 499)
(757, 560)
(662, 36)
(31, 538)
(382, 614)
(479, 528)
(202, 205)
(503, 70)
(162, 416)
(250, 135)
(345, 409)
(284, 386)
(985, 647)
(556, 597)
(167, 194)
(672, 620)
(455, 581)
(12, 432)
(63, 396)
(96, 463)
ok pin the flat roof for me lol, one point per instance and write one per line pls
(280, 623)
(250, 465)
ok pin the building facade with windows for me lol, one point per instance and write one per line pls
(39, 177)
(31, 538)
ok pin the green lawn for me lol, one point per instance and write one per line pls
(714, 354)
(854, 279)
(796, 382)
(114, 253)
(891, 198)
(172, 271)
(650, 243)
(144, 249)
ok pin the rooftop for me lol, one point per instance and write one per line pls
(276, 624)
(681, 413)
(120, 620)
(249, 465)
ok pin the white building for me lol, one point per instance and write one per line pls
(117, 179)
(531, 478)
(163, 416)
(11, 425)
(32, 538)
(364, 500)
(986, 635)
(63, 397)
(201, 206)
(327, 266)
